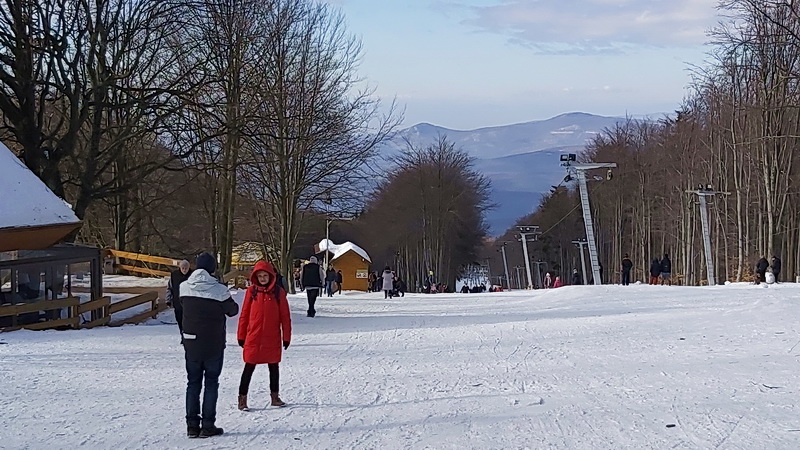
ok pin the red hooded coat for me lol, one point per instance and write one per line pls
(265, 322)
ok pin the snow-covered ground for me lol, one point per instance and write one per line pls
(576, 367)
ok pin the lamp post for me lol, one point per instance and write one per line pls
(524, 232)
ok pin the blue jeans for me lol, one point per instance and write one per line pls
(196, 370)
(329, 288)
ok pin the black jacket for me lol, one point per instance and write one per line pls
(312, 276)
(761, 265)
(655, 268)
(173, 287)
(331, 275)
(206, 303)
(666, 265)
(576, 278)
(339, 277)
(627, 264)
(776, 265)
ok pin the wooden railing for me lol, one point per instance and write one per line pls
(102, 308)
(138, 263)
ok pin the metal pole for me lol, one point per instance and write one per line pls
(505, 265)
(707, 239)
(527, 261)
(587, 220)
(327, 241)
(519, 277)
(583, 264)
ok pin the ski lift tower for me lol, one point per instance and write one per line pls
(702, 192)
(524, 232)
(579, 169)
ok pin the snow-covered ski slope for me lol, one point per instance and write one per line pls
(589, 367)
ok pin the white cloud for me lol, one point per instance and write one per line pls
(596, 26)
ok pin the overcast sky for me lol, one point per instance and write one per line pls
(467, 64)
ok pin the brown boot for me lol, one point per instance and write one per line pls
(243, 403)
(276, 401)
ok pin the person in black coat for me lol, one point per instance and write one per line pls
(761, 270)
(776, 267)
(312, 277)
(339, 280)
(627, 265)
(655, 271)
(173, 295)
(666, 270)
(206, 303)
(576, 277)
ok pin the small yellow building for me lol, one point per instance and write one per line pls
(351, 259)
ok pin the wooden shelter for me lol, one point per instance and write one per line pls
(351, 259)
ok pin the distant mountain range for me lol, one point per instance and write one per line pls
(521, 160)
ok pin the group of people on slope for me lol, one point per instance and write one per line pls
(763, 267)
(662, 269)
(202, 305)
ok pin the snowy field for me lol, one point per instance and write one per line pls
(605, 367)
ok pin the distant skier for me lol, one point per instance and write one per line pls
(388, 282)
(761, 270)
(548, 281)
(557, 283)
(655, 271)
(576, 277)
(627, 265)
(206, 302)
(776, 268)
(173, 295)
(666, 270)
(265, 326)
(312, 277)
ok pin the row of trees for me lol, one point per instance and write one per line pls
(738, 131)
(150, 116)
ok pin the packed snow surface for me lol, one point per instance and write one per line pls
(570, 368)
(26, 200)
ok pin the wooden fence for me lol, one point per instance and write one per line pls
(140, 264)
(101, 308)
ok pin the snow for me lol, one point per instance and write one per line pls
(340, 249)
(34, 204)
(122, 281)
(574, 367)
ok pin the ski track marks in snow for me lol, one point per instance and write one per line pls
(576, 367)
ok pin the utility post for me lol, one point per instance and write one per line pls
(579, 169)
(702, 193)
(505, 265)
(524, 232)
(539, 265)
(580, 243)
(519, 277)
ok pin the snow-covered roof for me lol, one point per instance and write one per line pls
(340, 249)
(26, 201)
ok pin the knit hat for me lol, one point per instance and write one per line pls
(207, 262)
(312, 260)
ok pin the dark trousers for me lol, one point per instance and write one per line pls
(777, 274)
(312, 298)
(198, 371)
(626, 277)
(247, 375)
(179, 316)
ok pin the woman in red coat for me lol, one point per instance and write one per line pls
(265, 325)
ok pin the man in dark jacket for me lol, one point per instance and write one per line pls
(206, 303)
(173, 295)
(312, 278)
(330, 278)
(627, 265)
(666, 270)
(576, 277)
(761, 270)
(339, 280)
(655, 271)
(776, 267)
